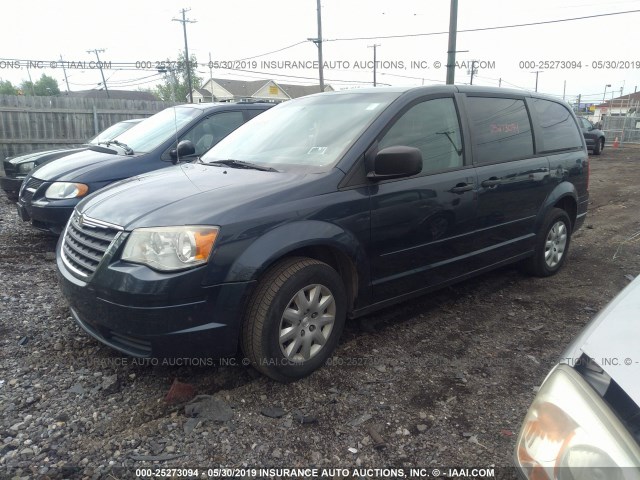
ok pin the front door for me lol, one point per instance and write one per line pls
(420, 226)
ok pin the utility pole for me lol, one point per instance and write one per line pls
(451, 52)
(564, 89)
(579, 99)
(537, 72)
(33, 88)
(375, 61)
(184, 22)
(500, 82)
(104, 82)
(604, 96)
(318, 42)
(66, 80)
(473, 70)
(211, 76)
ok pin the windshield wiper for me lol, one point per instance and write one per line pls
(127, 149)
(241, 164)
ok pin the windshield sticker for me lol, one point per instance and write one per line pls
(372, 106)
(317, 151)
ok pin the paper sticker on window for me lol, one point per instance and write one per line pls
(505, 128)
(317, 151)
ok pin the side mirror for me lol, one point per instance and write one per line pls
(184, 149)
(396, 162)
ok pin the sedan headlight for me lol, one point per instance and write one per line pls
(570, 432)
(26, 167)
(65, 190)
(170, 248)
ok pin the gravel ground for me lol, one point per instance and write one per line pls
(443, 380)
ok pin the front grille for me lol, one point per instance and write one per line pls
(29, 188)
(33, 183)
(85, 243)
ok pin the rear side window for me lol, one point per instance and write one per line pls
(559, 131)
(501, 129)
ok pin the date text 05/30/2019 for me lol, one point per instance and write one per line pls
(579, 64)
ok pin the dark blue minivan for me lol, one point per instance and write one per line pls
(322, 208)
(50, 193)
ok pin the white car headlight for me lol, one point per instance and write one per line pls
(170, 248)
(570, 432)
(64, 190)
(26, 167)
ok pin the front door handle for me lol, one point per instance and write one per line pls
(492, 182)
(462, 187)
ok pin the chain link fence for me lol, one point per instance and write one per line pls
(625, 129)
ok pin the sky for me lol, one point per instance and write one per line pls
(243, 38)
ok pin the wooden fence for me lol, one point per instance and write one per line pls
(40, 123)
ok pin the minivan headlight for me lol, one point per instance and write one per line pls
(26, 167)
(65, 190)
(569, 432)
(170, 248)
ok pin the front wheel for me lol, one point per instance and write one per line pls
(552, 244)
(294, 318)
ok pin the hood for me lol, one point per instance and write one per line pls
(42, 155)
(188, 194)
(611, 340)
(72, 167)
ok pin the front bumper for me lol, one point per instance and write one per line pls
(11, 186)
(143, 313)
(44, 216)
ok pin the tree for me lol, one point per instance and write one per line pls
(176, 86)
(6, 88)
(43, 87)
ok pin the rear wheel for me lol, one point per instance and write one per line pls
(294, 318)
(598, 147)
(552, 244)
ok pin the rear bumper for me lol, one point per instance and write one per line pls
(143, 317)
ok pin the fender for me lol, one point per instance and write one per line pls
(562, 190)
(277, 243)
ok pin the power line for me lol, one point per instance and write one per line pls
(482, 29)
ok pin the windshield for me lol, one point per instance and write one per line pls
(112, 132)
(312, 131)
(155, 130)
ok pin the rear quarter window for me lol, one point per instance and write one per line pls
(501, 129)
(559, 130)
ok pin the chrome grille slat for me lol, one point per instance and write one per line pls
(33, 183)
(85, 244)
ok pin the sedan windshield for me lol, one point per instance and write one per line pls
(150, 134)
(313, 131)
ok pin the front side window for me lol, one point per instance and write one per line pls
(501, 129)
(433, 128)
(559, 131)
(213, 129)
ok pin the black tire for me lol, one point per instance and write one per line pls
(599, 146)
(278, 290)
(552, 244)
